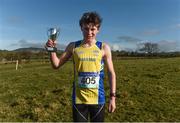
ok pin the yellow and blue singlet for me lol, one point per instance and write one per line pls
(88, 86)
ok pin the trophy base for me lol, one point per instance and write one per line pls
(51, 49)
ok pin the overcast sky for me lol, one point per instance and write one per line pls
(126, 23)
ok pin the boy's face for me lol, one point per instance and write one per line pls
(89, 31)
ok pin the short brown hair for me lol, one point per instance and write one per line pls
(91, 17)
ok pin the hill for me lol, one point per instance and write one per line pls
(30, 49)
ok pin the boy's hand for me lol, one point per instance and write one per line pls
(50, 43)
(112, 104)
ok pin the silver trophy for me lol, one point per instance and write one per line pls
(53, 34)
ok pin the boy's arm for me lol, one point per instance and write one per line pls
(58, 62)
(112, 77)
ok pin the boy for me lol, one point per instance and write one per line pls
(89, 56)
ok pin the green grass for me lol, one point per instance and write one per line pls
(147, 90)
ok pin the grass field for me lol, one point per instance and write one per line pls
(147, 90)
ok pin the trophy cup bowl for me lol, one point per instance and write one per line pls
(53, 34)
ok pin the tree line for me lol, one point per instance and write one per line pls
(22, 55)
(147, 49)
(43, 55)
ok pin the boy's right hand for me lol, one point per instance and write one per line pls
(50, 43)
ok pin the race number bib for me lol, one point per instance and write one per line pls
(88, 81)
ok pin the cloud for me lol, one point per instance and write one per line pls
(163, 45)
(116, 47)
(26, 44)
(120, 47)
(61, 46)
(128, 39)
(177, 26)
(127, 43)
(151, 32)
(168, 45)
(15, 20)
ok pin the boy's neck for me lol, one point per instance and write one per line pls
(89, 43)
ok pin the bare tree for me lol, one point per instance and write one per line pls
(149, 47)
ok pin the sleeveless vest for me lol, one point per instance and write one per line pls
(88, 86)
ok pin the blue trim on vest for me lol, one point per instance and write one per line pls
(74, 93)
(77, 43)
(88, 73)
(99, 44)
(101, 93)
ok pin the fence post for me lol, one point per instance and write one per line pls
(16, 64)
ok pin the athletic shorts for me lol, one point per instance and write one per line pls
(81, 112)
